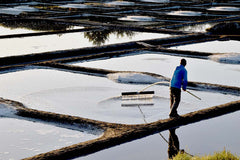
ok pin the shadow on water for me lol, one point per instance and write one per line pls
(97, 38)
(173, 143)
(37, 25)
(100, 37)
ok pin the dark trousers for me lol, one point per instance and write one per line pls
(175, 97)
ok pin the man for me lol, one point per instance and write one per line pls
(178, 81)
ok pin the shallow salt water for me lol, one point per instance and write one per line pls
(120, 3)
(18, 9)
(184, 13)
(94, 97)
(137, 18)
(70, 5)
(39, 44)
(198, 70)
(201, 138)
(10, 31)
(156, 1)
(224, 8)
(230, 46)
(21, 30)
(22, 139)
(197, 28)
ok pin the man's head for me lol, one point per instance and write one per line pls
(183, 62)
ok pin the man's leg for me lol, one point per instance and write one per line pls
(174, 100)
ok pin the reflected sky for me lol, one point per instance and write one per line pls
(21, 139)
(91, 97)
(40, 44)
(230, 46)
(198, 70)
(197, 28)
(10, 31)
(4, 30)
(201, 138)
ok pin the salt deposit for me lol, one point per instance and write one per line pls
(18, 10)
(184, 13)
(138, 78)
(224, 8)
(74, 6)
(231, 58)
(164, 65)
(231, 46)
(156, 1)
(7, 111)
(120, 3)
(137, 18)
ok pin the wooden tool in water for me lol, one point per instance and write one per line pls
(142, 94)
(137, 95)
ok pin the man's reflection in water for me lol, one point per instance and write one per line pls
(173, 145)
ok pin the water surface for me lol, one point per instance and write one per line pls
(22, 139)
(201, 138)
(38, 44)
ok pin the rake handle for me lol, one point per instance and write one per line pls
(193, 95)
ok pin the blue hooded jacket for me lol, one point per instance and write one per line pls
(179, 78)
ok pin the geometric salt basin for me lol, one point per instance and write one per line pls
(202, 133)
(231, 46)
(231, 58)
(156, 1)
(184, 13)
(197, 28)
(74, 6)
(137, 18)
(22, 139)
(38, 44)
(91, 97)
(224, 8)
(17, 10)
(11, 31)
(164, 65)
(119, 3)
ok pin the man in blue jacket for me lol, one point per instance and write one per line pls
(178, 81)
